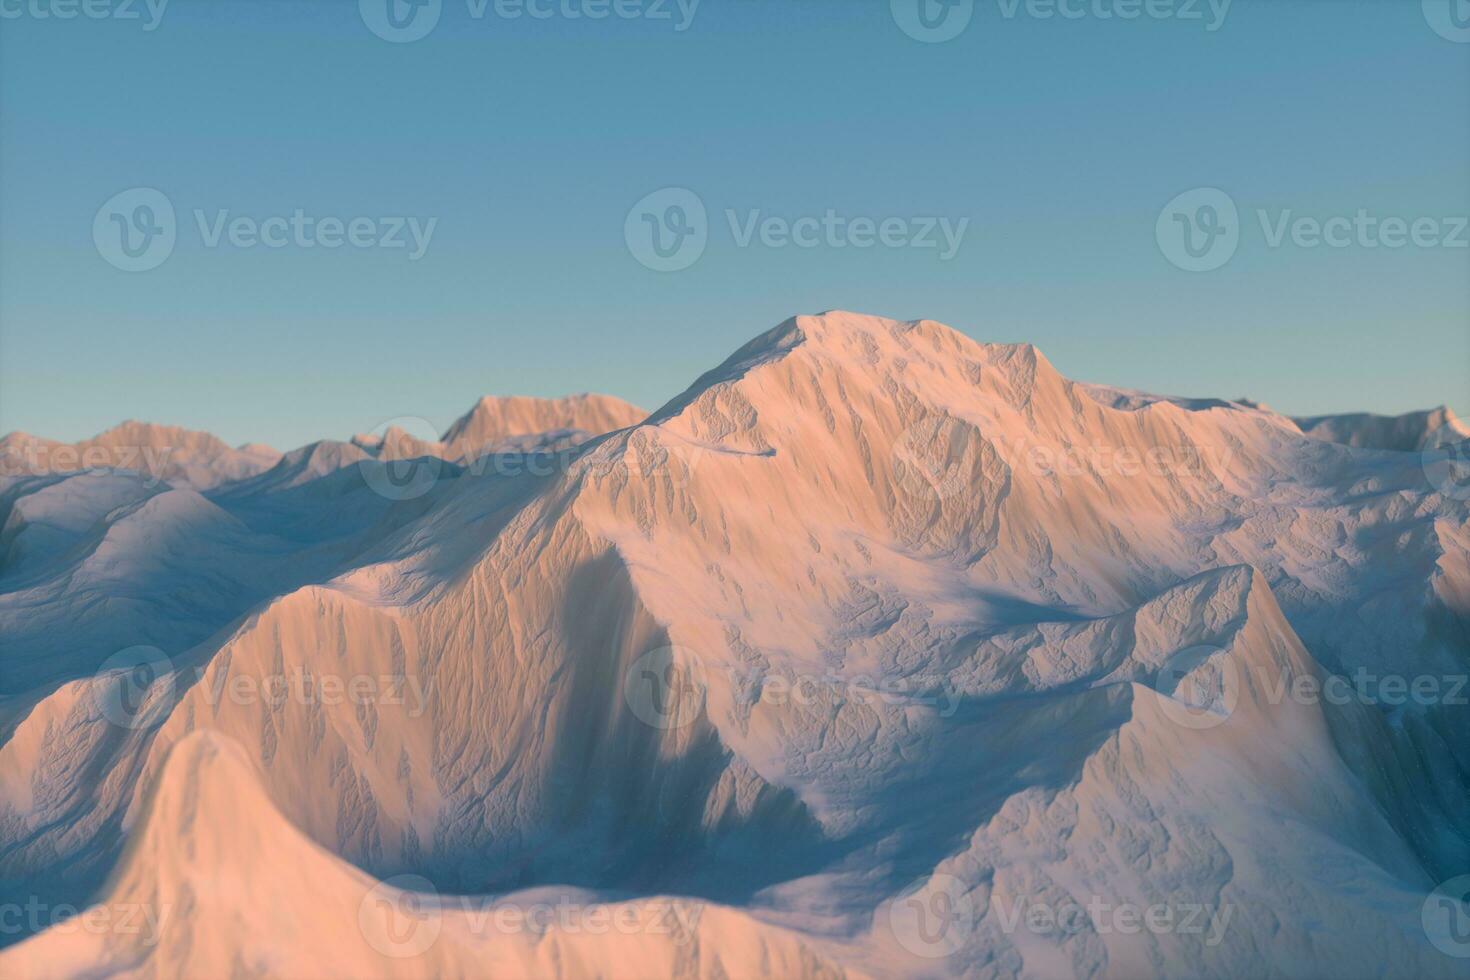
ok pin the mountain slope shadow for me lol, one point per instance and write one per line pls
(648, 807)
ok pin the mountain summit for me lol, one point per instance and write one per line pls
(878, 651)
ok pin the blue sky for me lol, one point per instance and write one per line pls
(528, 141)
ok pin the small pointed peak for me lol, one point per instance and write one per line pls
(495, 418)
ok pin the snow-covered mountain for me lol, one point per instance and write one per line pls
(495, 420)
(877, 652)
(163, 452)
(1411, 432)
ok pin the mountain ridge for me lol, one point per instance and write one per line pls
(948, 620)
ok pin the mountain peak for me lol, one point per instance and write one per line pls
(134, 433)
(1410, 432)
(497, 418)
(887, 354)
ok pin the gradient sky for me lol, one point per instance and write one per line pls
(529, 140)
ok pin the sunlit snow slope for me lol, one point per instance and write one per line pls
(878, 652)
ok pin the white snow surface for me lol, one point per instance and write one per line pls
(862, 657)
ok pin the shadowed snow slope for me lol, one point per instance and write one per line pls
(871, 651)
(210, 845)
(1412, 432)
